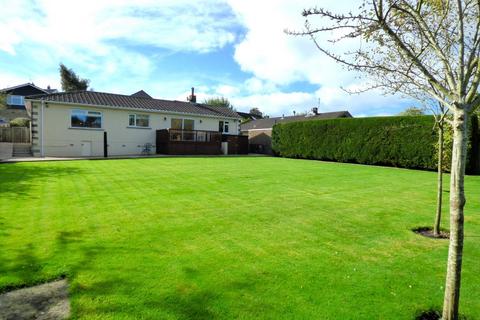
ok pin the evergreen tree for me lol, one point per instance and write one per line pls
(71, 81)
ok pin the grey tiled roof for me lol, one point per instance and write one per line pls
(141, 103)
(268, 123)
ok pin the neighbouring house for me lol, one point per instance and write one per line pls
(259, 131)
(15, 100)
(88, 123)
(247, 116)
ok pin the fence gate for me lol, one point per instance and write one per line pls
(15, 134)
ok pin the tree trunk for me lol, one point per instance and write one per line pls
(438, 215)
(457, 203)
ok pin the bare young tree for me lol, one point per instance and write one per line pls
(439, 113)
(428, 46)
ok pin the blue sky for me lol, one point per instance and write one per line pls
(231, 48)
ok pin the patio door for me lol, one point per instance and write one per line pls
(86, 149)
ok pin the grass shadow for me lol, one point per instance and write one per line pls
(18, 180)
(28, 268)
(189, 299)
(428, 233)
(434, 314)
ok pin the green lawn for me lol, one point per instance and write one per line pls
(231, 238)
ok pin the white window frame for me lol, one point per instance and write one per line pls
(225, 125)
(87, 112)
(135, 115)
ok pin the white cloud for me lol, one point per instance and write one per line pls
(255, 85)
(176, 25)
(279, 59)
(276, 103)
(272, 55)
(100, 40)
(227, 90)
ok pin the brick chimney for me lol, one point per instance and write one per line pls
(192, 98)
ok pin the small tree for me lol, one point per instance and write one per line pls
(218, 102)
(439, 113)
(412, 111)
(411, 46)
(440, 116)
(255, 111)
(71, 81)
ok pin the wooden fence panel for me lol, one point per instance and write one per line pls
(15, 134)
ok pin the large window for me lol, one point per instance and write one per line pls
(86, 119)
(223, 126)
(15, 100)
(182, 124)
(187, 125)
(139, 120)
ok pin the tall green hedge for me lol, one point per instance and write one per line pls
(407, 141)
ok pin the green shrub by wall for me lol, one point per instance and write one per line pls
(20, 122)
(407, 142)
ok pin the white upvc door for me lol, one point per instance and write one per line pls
(86, 148)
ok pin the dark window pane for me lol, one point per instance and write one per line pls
(86, 119)
(78, 120)
(142, 120)
(188, 124)
(176, 124)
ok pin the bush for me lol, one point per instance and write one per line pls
(20, 122)
(407, 141)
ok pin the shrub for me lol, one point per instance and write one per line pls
(20, 122)
(402, 141)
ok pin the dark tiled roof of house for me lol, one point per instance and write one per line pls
(24, 89)
(248, 115)
(268, 123)
(93, 98)
(141, 94)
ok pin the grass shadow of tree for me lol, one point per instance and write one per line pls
(27, 267)
(18, 179)
(187, 300)
(179, 304)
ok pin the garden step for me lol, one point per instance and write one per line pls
(22, 150)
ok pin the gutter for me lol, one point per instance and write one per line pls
(42, 150)
(264, 129)
(134, 109)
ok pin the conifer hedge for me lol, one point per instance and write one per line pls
(407, 141)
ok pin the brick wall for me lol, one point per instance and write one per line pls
(260, 141)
